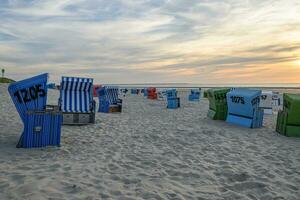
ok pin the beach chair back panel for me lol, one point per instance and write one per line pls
(112, 94)
(266, 99)
(76, 94)
(29, 94)
(243, 102)
(171, 93)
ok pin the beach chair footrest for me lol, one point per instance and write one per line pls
(78, 118)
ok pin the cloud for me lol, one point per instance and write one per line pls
(151, 40)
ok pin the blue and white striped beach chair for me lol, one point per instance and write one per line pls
(42, 127)
(76, 100)
(109, 99)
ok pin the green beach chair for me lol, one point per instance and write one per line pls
(288, 119)
(217, 103)
(205, 94)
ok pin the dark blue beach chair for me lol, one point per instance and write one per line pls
(145, 92)
(109, 100)
(42, 127)
(173, 101)
(76, 101)
(134, 91)
(243, 108)
(195, 95)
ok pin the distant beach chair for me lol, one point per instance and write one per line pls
(151, 92)
(145, 92)
(288, 119)
(95, 88)
(205, 94)
(109, 100)
(76, 101)
(161, 95)
(173, 101)
(266, 102)
(134, 91)
(243, 108)
(51, 86)
(42, 126)
(195, 95)
(217, 103)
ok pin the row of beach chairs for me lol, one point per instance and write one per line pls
(247, 107)
(76, 106)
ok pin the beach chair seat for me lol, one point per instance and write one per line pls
(42, 127)
(217, 103)
(76, 101)
(173, 101)
(109, 101)
(266, 102)
(243, 108)
(151, 93)
(288, 119)
(195, 95)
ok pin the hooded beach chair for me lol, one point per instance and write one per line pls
(195, 95)
(76, 100)
(151, 93)
(145, 92)
(243, 108)
(173, 101)
(266, 102)
(161, 95)
(288, 119)
(109, 100)
(134, 91)
(42, 127)
(217, 103)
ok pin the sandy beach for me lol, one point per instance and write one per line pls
(149, 152)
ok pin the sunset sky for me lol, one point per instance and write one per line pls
(153, 41)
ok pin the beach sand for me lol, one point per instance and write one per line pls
(149, 152)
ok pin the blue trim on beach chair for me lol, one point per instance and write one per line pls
(243, 108)
(41, 127)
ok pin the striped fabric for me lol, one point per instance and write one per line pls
(76, 94)
(112, 94)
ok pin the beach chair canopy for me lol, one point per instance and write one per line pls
(242, 101)
(76, 94)
(243, 108)
(266, 101)
(291, 105)
(112, 94)
(29, 94)
(195, 92)
(217, 97)
(288, 119)
(171, 93)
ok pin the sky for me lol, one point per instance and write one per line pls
(152, 41)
